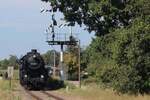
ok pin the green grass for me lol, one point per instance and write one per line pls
(16, 74)
(7, 88)
(4, 85)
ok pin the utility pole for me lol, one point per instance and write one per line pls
(54, 69)
(79, 64)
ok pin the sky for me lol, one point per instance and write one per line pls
(22, 27)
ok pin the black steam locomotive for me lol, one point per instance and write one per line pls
(33, 74)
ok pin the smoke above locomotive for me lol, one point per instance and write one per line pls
(32, 71)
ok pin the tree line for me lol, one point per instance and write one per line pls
(11, 61)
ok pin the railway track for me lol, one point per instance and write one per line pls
(51, 95)
(41, 95)
(33, 96)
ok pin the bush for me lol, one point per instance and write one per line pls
(123, 59)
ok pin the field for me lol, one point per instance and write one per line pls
(10, 91)
(96, 93)
(8, 88)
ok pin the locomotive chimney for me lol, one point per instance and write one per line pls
(34, 50)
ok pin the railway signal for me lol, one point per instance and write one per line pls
(62, 39)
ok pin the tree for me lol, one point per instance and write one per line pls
(122, 58)
(13, 61)
(49, 57)
(132, 57)
(71, 62)
(4, 64)
(101, 16)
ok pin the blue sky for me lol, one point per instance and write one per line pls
(22, 27)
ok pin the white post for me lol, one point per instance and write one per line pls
(61, 56)
(70, 30)
(61, 62)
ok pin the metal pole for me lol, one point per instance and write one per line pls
(61, 62)
(79, 65)
(70, 30)
(54, 58)
(54, 63)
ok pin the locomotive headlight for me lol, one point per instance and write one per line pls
(50, 72)
(25, 76)
(34, 56)
(42, 76)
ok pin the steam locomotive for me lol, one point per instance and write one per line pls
(33, 74)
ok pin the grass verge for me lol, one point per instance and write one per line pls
(93, 92)
(8, 88)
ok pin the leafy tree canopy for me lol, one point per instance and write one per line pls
(101, 16)
(11, 61)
